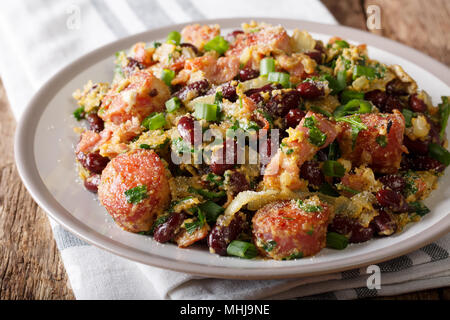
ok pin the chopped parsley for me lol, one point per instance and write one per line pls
(144, 146)
(268, 246)
(210, 195)
(382, 141)
(307, 207)
(136, 195)
(419, 208)
(316, 137)
(356, 126)
(293, 256)
(79, 113)
(197, 224)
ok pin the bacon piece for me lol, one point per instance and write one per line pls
(283, 171)
(216, 71)
(199, 35)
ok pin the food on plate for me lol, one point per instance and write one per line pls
(260, 142)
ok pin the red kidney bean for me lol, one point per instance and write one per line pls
(396, 87)
(383, 224)
(223, 233)
(361, 234)
(219, 164)
(132, 65)
(257, 98)
(238, 182)
(315, 55)
(92, 182)
(229, 92)
(421, 163)
(248, 73)
(319, 47)
(166, 231)
(293, 117)
(394, 181)
(194, 90)
(189, 45)
(309, 90)
(231, 37)
(416, 104)
(280, 104)
(352, 228)
(392, 102)
(186, 128)
(377, 97)
(95, 122)
(310, 171)
(417, 146)
(392, 200)
(93, 162)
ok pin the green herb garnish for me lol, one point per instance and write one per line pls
(136, 195)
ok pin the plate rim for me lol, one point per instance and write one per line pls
(26, 162)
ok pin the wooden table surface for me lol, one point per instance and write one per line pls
(30, 264)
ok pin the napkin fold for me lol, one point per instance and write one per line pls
(39, 37)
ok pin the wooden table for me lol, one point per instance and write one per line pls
(30, 265)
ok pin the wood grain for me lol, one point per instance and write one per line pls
(30, 265)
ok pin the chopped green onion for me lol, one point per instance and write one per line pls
(328, 190)
(439, 153)
(342, 44)
(444, 112)
(336, 241)
(280, 77)
(337, 84)
(136, 195)
(167, 76)
(419, 208)
(211, 210)
(242, 249)
(267, 66)
(333, 151)
(354, 106)
(210, 195)
(174, 37)
(173, 104)
(343, 187)
(218, 44)
(79, 113)
(206, 111)
(348, 95)
(407, 114)
(359, 71)
(333, 168)
(154, 121)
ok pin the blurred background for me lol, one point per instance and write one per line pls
(30, 263)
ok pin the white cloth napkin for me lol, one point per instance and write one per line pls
(39, 37)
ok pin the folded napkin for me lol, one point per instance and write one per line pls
(39, 37)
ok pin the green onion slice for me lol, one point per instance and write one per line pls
(439, 153)
(336, 241)
(332, 168)
(174, 37)
(242, 249)
(348, 95)
(218, 44)
(444, 112)
(354, 106)
(280, 77)
(267, 66)
(407, 114)
(173, 104)
(154, 121)
(206, 111)
(167, 76)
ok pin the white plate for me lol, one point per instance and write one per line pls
(45, 160)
